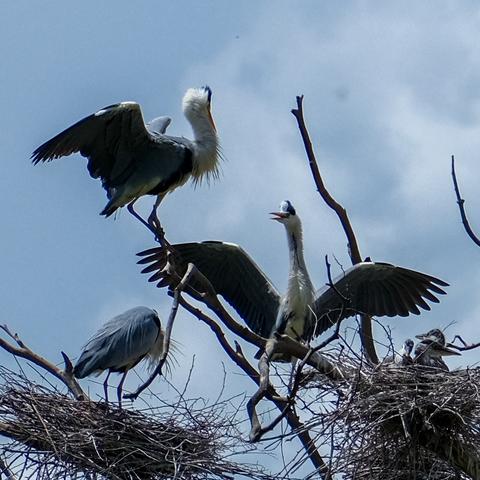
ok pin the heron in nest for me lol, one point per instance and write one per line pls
(122, 343)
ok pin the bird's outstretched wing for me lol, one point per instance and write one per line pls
(375, 288)
(115, 140)
(121, 343)
(233, 275)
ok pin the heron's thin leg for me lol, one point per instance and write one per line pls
(120, 388)
(153, 217)
(136, 215)
(155, 224)
(105, 386)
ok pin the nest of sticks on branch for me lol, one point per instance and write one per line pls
(400, 422)
(50, 435)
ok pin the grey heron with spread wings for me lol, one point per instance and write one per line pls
(373, 288)
(133, 159)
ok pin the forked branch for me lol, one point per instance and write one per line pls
(366, 333)
(292, 419)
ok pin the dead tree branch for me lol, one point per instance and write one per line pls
(466, 346)
(292, 419)
(366, 333)
(461, 206)
(22, 351)
(168, 330)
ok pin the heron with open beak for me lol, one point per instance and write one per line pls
(372, 288)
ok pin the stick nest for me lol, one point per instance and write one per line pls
(63, 438)
(394, 422)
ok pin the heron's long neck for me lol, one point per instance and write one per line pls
(298, 269)
(206, 148)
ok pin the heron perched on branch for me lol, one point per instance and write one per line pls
(121, 344)
(369, 287)
(133, 159)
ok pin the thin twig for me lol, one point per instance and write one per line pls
(168, 330)
(4, 470)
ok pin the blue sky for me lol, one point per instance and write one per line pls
(391, 89)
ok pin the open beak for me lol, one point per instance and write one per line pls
(278, 216)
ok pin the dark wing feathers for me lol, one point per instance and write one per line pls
(233, 275)
(378, 289)
(109, 139)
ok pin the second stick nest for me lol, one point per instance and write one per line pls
(395, 422)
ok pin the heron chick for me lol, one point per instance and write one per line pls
(372, 288)
(133, 159)
(403, 357)
(431, 349)
(121, 344)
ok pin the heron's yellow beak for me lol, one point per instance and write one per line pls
(211, 119)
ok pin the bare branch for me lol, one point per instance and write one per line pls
(466, 346)
(461, 206)
(168, 331)
(22, 351)
(366, 333)
(292, 419)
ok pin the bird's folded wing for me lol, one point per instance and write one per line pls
(375, 288)
(233, 275)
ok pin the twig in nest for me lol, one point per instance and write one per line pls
(68, 438)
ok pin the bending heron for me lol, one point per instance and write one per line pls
(372, 288)
(133, 159)
(120, 345)
(403, 357)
